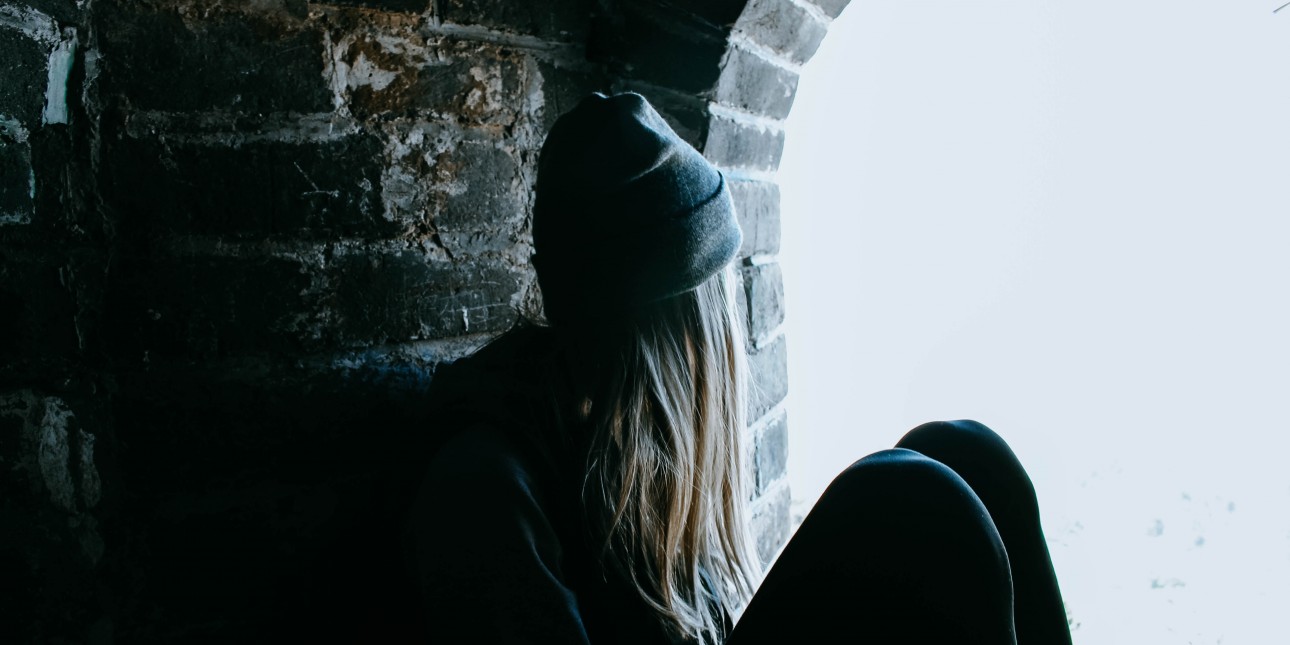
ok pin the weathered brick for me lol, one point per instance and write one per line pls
(753, 84)
(783, 26)
(562, 88)
(203, 307)
(478, 84)
(732, 144)
(650, 48)
(757, 203)
(17, 180)
(717, 12)
(406, 6)
(37, 308)
(252, 63)
(469, 82)
(52, 542)
(770, 523)
(764, 292)
(64, 11)
(831, 8)
(269, 188)
(771, 453)
(769, 367)
(563, 21)
(484, 208)
(404, 295)
(22, 78)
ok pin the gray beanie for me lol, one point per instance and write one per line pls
(626, 213)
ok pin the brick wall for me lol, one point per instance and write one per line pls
(237, 239)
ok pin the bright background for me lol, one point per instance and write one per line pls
(1067, 220)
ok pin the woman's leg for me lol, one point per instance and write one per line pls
(898, 550)
(984, 460)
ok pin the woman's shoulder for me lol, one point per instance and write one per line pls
(495, 413)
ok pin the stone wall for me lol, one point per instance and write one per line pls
(236, 240)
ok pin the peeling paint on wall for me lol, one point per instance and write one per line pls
(60, 69)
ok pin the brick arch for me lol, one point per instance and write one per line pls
(726, 74)
(239, 239)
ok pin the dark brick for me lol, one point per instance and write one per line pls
(764, 293)
(64, 11)
(309, 189)
(771, 456)
(404, 295)
(562, 88)
(735, 145)
(37, 308)
(52, 543)
(22, 78)
(754, 84)
(563, 21)
(473, 83)
(757, 203)
(831, 8)
(716, 12)
(784, 27)
(469, 82)
(201, 307)
(769, 367)
(404, 6)
(485, 209)
(17, 181)
(157, 60)
(650, 47)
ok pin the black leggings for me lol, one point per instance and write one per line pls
(934, 541)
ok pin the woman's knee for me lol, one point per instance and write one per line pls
(903, 486)
(981, 457)
(911, 526)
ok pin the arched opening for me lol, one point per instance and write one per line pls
(1067, 222)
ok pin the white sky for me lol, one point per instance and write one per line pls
(1068, 221)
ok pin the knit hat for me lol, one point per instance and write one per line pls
(626, 213)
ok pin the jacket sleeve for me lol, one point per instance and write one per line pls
(487, 557)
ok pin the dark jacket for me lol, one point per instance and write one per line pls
(497, 533)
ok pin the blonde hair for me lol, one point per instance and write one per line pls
(666, 489)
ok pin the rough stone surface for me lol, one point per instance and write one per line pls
(732, 144)
(764, 293)
(769, 366)
(753, 84)
(666, 45)
(249, 62)
(757, 203)
(17, 179)
(50, 489)
(771, 455)
(39, 310)
(165, 185)
(408, 6)
(22, 78)
(559, 21)
(784, 27)
(831, 8)
(237, 240)
(771, 523)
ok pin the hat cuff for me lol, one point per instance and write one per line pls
(618, 276)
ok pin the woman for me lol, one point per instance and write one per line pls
(594, 488)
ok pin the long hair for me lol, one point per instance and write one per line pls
(666, 487)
